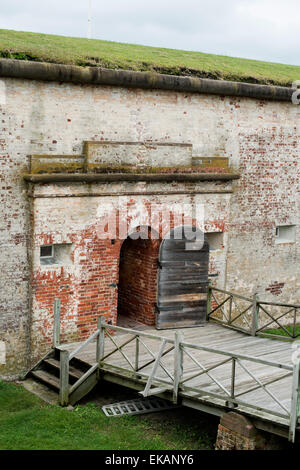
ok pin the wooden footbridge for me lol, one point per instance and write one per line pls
(226, 364)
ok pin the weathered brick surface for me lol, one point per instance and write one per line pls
(236, 432)
(230, 440)
(261, 140)
(138, 280)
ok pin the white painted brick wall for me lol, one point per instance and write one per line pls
(261, 140)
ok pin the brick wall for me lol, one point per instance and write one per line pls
(261, 140)
(108, 277)
(236, 433)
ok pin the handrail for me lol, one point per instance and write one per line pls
(84, 344)
(231, 293)
(254, 319)
(136, 332)
(179, 382)
(65, 357)
(278, 304)
(234, 396)
(237, 356)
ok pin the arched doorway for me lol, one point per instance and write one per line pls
(137, 290)
(183, 279)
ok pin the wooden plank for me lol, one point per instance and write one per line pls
(100, 346)
(179, 323)
(151, 335)
(238, 296)
(73, 372)
(46, 378)
(178, 364)
(295, 405)
(84, 378)
(214, 336)
(175, 291)
(64, 378)
(84, 388)
(145, 393)
(168, 287)
(84, 344)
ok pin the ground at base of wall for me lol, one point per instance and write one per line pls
(28, 423)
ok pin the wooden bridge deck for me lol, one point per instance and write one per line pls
(207, 376)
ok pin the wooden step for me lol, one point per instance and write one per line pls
(73, 372)
(41, 390)
(46, 378)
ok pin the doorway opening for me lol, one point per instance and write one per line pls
(137, 294)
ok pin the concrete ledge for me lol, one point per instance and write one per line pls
(134, 177)
(150, 80)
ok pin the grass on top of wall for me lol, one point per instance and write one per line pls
(114, 55)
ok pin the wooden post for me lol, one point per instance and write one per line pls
(233, 377)
(56, 331)
(232, 390)
(295, 404)
(100, 339)
(295, 323)
(64, 378)
(230, 310)
(209, 296)
(178, 364)
(255, 312)
(137, 352)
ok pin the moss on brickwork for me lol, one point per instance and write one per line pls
(134, 169)
(57, 167)
(51, 164)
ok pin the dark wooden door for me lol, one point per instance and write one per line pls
(182, 281)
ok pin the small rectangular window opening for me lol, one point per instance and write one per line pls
(47, 251)
(285, 234)
(57, 254)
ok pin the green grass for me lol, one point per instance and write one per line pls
(27, 423)
(92, 52)
(282, 332)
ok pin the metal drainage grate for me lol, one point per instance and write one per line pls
(137, 406)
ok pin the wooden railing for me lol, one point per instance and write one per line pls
(251, 315)
(228, 309)
(181, 368)
(143, 366)
(65, 357)
(270, 315)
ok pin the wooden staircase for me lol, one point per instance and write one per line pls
(47, 372)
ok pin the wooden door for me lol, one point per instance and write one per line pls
(182, 281)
